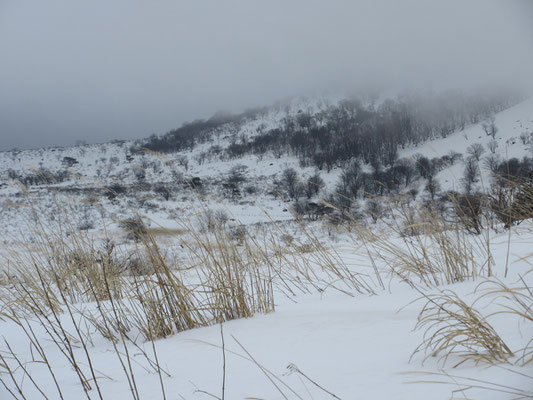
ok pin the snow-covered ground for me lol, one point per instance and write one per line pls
(352, 345)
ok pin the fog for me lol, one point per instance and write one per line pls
(124, 69)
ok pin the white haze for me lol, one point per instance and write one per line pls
(100, 70)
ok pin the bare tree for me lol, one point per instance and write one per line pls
(314, 185)
(492, 162)
(432, 187)
(289, 180)
(493, 145)
(490, 128)
(475, 151)
(471, 174)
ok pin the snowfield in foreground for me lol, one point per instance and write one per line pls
(350, 345)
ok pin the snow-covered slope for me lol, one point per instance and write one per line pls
(91, 168)
(85, 171)
(511, 124)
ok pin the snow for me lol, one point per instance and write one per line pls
(356, 346)
(353, 345)
(511, 123)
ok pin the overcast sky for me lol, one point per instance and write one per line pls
(121, 69)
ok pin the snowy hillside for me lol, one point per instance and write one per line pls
(513, 140)
(249, 187)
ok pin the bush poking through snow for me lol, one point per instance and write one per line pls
(134, 227)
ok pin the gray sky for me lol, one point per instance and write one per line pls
(120, 69)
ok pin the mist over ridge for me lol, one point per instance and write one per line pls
(124, 70)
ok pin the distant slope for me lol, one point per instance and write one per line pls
(512, 123)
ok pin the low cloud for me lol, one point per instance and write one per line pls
(102, 70)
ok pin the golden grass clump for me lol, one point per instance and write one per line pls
(516, 300)
(67, 287)
(453, 327)
(224, 280)
(424, 246)
(52, 270)
(235, 281)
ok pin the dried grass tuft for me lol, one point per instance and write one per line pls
(454, 328)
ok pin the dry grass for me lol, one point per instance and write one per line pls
(161, 231)
(227, 277)
(517, 301)
(140, 295)
(52, 284)
(306, 262)
(465, 384)
(235, 281)
(451, 327)
(420, 247)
